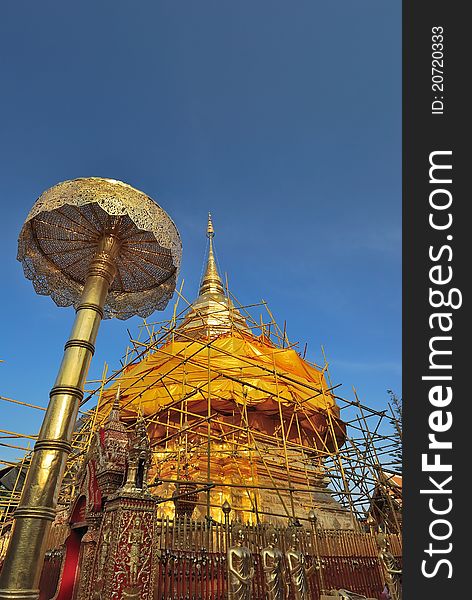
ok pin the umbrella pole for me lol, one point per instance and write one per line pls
(21, 572)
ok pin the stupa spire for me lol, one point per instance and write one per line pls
(211, 280)
(114, 415)
(212, 313)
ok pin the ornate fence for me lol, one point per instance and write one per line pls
(191, 560)
(192, 563)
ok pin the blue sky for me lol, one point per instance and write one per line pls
(281, 118)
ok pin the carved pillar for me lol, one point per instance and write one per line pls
(102, 474)
(125, 550)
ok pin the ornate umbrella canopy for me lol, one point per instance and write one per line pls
(61, 236)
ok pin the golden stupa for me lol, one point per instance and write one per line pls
(230, 410)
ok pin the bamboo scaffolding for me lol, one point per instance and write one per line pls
(352, 470)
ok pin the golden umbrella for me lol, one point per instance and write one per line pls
(110, 251)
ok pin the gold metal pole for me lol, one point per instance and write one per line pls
(20, 575)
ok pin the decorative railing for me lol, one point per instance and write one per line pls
(190, 560)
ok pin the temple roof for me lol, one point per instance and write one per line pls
(242, 372)
(213, 312)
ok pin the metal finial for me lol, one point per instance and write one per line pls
(114, 415)
(226, 507)
(116, 403)
(210, 230)
(211, 281)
